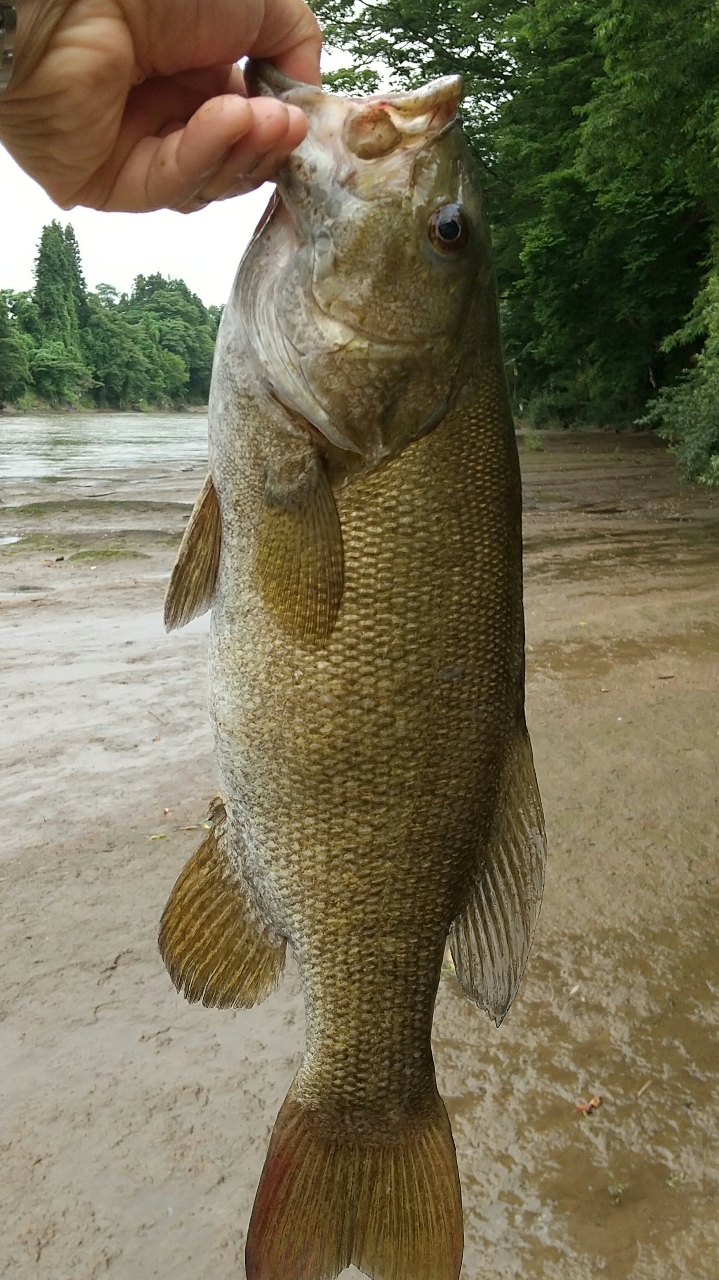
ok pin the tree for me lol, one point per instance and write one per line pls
(184, 329)
(77, 278)
(56, 289)
(654, 122)
(122, 369)
(68, 345)
(59, 375)
(654, 116)
(688, 413)
(58, 365)
(15, 376)
(593, 278)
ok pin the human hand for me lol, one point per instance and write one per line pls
(137, 104)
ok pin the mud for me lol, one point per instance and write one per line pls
(134, 1126)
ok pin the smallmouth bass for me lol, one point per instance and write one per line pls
(359, 542)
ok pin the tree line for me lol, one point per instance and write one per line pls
(596, 123)
(61, 344)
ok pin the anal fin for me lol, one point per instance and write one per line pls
(299, 558)
(212, 945)
(491, 938)
(192, 582)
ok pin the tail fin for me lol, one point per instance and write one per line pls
(327, 1200)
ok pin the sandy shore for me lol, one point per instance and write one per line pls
(134, 1127)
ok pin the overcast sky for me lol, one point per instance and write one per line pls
(201, 248)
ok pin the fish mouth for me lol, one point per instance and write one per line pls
(375, 124)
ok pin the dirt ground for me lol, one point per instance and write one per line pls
(133, 1127)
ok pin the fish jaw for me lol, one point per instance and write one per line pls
(354, 321)
(350, 133)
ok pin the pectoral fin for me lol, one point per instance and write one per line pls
(192, 583)
(491, 938)
(213, 946)
(299, 559)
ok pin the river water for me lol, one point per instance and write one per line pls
(60, 446)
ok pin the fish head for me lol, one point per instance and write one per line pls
(368, 297)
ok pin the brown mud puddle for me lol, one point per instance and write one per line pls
(630, 1020)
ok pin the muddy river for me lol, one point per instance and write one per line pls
(133, 1126)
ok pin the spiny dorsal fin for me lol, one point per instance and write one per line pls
(491, 938)
(388, 1202)
(193, 579)
(299, 559)
(212, 945)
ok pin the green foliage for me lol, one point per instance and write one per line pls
(654, 117)
(58, 370)
(65, 346)
(183, 328)
(592, 281)
(123, 372)
(653, 123)
(57, 285)
(78, 288)
(58, 375)
(351, 81)
(14, 356)
(687, 413)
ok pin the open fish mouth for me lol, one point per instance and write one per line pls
(378, 124)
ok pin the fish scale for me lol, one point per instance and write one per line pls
(366, 688)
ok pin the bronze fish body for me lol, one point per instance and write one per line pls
(359, 541)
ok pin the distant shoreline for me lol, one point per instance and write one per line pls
(9, 411)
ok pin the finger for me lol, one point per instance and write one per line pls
(290, 37)
(253, 160)
(301, 63)
(258, 154)
(149, 168)
(238, 185)
(168, 172)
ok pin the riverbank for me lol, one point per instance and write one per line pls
(40, 410)
(135, 1126)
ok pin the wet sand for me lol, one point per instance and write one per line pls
(134, 1126)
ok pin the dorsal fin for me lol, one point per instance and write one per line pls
(491, 938)
(192, 582)
(299, 558)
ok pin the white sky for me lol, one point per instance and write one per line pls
(201, 248)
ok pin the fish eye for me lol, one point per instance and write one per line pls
(448, 229)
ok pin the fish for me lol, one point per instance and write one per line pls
(359, 544)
